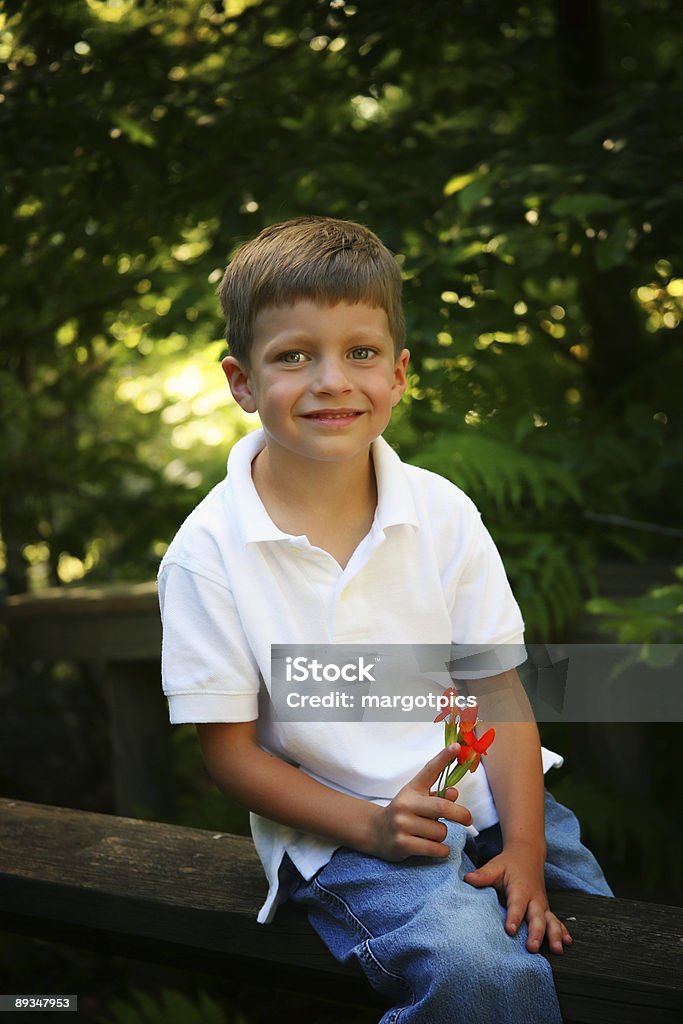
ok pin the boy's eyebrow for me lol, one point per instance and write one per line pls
(294, 336)
(368, 332)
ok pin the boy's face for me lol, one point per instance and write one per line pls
(323, 379)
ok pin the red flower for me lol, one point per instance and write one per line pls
(459, 728)
(472, 749)
(450, 694)
(468, 720)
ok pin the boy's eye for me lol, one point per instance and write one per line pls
(362, 352)
(292, 357)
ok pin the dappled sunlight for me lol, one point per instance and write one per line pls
(662, 300)
(185, 384)
(520, 336)
(195, 403)
(111, 11)
(535, 253)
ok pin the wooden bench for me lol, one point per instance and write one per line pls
(189, 897)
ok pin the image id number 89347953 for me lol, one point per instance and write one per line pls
(38, 1002)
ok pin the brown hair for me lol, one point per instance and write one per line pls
(317, 258)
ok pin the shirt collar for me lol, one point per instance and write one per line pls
(395, 502)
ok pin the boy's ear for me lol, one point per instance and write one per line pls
(400, 380)
(240, 385)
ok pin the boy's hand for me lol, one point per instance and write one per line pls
(409, 826)
(517, 873)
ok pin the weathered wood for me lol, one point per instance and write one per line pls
(116, 622)
(189, 897)
(116, 631)
(140, 738)
(158, 892)
(90, 600)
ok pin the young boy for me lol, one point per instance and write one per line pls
(321, 535)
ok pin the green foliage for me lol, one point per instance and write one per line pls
(171, 1008)
(614, 831)
(525, 498)
(247, 1006)
(654, 618)
(549, 572)
(505, 476)
(528, 196)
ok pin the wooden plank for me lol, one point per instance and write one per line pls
(116, 622)
(625, 961)
(140, 737)
(110, 598)
(190, 897)
(159, 892)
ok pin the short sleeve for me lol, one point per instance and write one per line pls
(481, 603)
(208, 671)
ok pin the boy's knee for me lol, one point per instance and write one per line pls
(503, 978)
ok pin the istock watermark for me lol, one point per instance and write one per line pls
(303, 669)
(559, 682)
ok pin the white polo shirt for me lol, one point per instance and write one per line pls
(231, 584)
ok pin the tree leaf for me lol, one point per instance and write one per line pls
(581, 204)
(458, 182)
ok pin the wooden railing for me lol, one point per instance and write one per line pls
(188, 897)
(115, 631)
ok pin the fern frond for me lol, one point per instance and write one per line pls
(172, 1008)
(548, 573)
(497, 470)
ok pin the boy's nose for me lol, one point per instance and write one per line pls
(331, 377)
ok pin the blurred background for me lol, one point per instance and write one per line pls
(523, 162)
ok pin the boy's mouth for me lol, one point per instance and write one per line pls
(334, 416)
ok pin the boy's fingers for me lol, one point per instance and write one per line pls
(537, 926)
(483, 877)
(428, 848)
(517, 908)
(556, 933)
(428, 828)
(436, 807)
(428, 775)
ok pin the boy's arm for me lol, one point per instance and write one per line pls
(266, 784)
(515, 772)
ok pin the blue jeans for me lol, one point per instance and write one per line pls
(434, 945)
